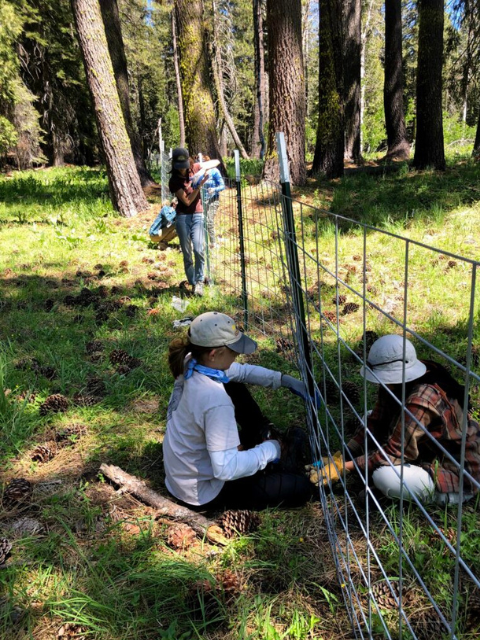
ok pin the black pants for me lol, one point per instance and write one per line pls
(267, 488)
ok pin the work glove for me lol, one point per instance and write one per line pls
(299, 388)
(326, 470)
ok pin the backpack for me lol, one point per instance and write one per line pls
(164, 219)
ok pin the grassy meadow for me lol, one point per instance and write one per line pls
(77, 284)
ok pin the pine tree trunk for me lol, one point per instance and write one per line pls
(287, 88)
(199, 109)
(352, 9)
(429, 148)
(398, 146)
(113, 31)
(223, 140)
(258, 138)
(476, 144)
(127, 194)
(329, 147)
(181, 119)
(218, 80)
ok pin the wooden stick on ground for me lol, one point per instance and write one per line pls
(201, 525)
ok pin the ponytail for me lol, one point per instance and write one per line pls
(178, 350)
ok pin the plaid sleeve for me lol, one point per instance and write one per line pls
(419, 412)
(357, 442)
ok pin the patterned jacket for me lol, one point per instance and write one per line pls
(213, 185)
(434, 413)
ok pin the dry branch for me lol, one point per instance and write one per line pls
(201, 525)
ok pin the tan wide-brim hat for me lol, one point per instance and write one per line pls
(214, 329)
(387, 361)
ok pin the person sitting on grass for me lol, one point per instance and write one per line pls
(208, 463)
(433, 422)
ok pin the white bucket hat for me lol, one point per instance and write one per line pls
(386, 361)
(214, 329)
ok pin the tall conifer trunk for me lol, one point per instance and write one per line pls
(287, 87)
(352, 11)
(398, 146)
(429, 147)
(200, 120)
(113, 31)
(181, 119)
(258, 138)
(476, 145)
(329, 147)
(125, 187)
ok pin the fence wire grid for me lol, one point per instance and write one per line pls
(323, 290)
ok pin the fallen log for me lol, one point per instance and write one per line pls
(130, 484)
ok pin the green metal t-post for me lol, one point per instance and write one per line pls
(292, 260)
(241, 238)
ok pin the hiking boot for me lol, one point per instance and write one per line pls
(198, 289)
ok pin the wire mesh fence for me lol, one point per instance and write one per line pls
(324, 287)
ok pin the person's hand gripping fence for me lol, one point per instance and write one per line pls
(299, 388)
(326, 470)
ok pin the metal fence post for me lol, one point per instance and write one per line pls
(292, 261)
(241, 238)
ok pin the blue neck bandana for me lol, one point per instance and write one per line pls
(214, 374)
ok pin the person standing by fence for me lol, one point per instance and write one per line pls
(189, 220)
(211, 190)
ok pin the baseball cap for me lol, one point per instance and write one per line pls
(215, 329)
(180, 158)
(386, 361)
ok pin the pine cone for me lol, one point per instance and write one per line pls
(93, 346)
(123, 369)
(48, 372)
(5, 548)
(341, 300)
(383, 594)
(96, 386)
(131, 311)
(85, 298)
(102, 291)
(85, 400)
(42, 453)
(229, 583)
(18, 490)
(70, 630)
(180, 536)
(48, 305)
(70, 301)
(122, 358)
(241, 522)
(331, 389)
(330, 315)
(96, 356)
(119, 356)
(75, 430)
(427, 625)
(351, 390)
(284, 345)
(55, 403)
(350, 307)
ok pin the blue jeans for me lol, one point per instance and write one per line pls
(190, 231)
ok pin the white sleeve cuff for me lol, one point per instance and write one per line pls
(233, 464)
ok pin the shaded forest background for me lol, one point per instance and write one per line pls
(230, 63)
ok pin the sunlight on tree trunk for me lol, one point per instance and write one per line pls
(127, 194)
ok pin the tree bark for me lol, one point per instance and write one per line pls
(476, 144)
(218, 80)
(127, 194)
(353, 36)
(398, 145)
(258, 138)
(113, 31)
(329, 147)
(429, 147)
(139, 489)
(199, 109)
(181, 119)
(287, 88)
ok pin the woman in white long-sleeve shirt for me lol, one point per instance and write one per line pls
(208, 463)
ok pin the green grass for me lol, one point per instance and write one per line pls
(102, 561)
